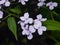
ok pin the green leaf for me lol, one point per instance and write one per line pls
(12, 26)
(52, 25)
(16, 10)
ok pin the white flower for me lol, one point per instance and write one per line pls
(40, 4)
(25, 17)
(23, 1)
(30, 36)
(30, 20)
(21, 23)
(37, 24)
(25, 32)
(7, 3)
(31, 29)
(28, 31)
(2, 1)
(41, 29)
(1, 14)
(29, 26)
(22, 18)
(40, 18)
(51, 5)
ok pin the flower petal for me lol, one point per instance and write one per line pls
(30, 36)
(39, 16)
(40, 32)
(1, 14)
(7, 3)
(2, 1)
(30, 20)
(23, 2)
(43, 28)
(43, 19)
(25, 32)
(51, 7)
(26, 15)
(22, 18)
(31, 29)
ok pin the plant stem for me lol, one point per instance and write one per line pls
(9, 14)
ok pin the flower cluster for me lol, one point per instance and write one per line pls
(51, 5)
(30, 26)
(5, 3)
(22, 1)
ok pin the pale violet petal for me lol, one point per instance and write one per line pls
(23, 2)
(49, 4)
(30, 20)
(43, 19)
(51, 7)
(39, 16)
(30, 36)
(40, 31)
(26, 22)
(22, 18)
(36, 21)
(2, 1)
(31, 29)
(55, 4)
(40, 4)
(37, 24)
(7, 3)
(22, 23)
(26, 15)
(1, 14)
(25, 32)
(43, 28)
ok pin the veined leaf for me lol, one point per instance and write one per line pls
(52, 25)
(12, 26)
